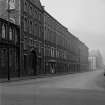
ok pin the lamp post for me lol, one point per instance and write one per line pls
(8, 40)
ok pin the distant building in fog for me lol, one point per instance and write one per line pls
(92, 63)
(95, 60)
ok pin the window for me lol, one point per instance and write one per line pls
(30, 26)
(25, 43)
(40, 31)
(13, 34)
(25, 5)
(56, 53)
(35, 13)
(3, 31)
(39, 16)
(3, 57)
(45, 33)
(30, 9)
(49, 51)
(10, 33)
(39, 48)
(46, 50)
(25, 24)
(35, 27)
(16, 36)
(52, 52)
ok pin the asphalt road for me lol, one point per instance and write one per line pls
(74, 89)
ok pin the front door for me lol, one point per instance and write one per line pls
(31, 63)
(52, 68)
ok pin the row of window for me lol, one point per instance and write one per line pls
(57, 38)
(32, 27)
(58, 53)
(49, 51)
(53, 52)
(50, 35)
(31, 43)
(12, 33)
(56, 33)
(30, 9)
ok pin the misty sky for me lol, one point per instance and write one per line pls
(84, 18)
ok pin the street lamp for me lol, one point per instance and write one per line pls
(8, 40)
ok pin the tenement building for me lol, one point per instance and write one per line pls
(84, 66)
(61, 47)
(28, 15)
(32, 38)
(9, 49)
(44, 45)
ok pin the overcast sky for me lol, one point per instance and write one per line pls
(84, 18)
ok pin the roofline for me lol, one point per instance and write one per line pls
(55, 19)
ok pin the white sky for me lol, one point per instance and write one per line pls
(84, 18)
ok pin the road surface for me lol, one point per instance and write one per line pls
(73, 89)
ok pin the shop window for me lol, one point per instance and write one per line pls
(16, 60)
(3, 57)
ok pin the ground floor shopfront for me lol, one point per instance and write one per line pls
(9, 61)
(34, 63)
(53, 66)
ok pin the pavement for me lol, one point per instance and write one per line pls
(72, 89)
(18, 79)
